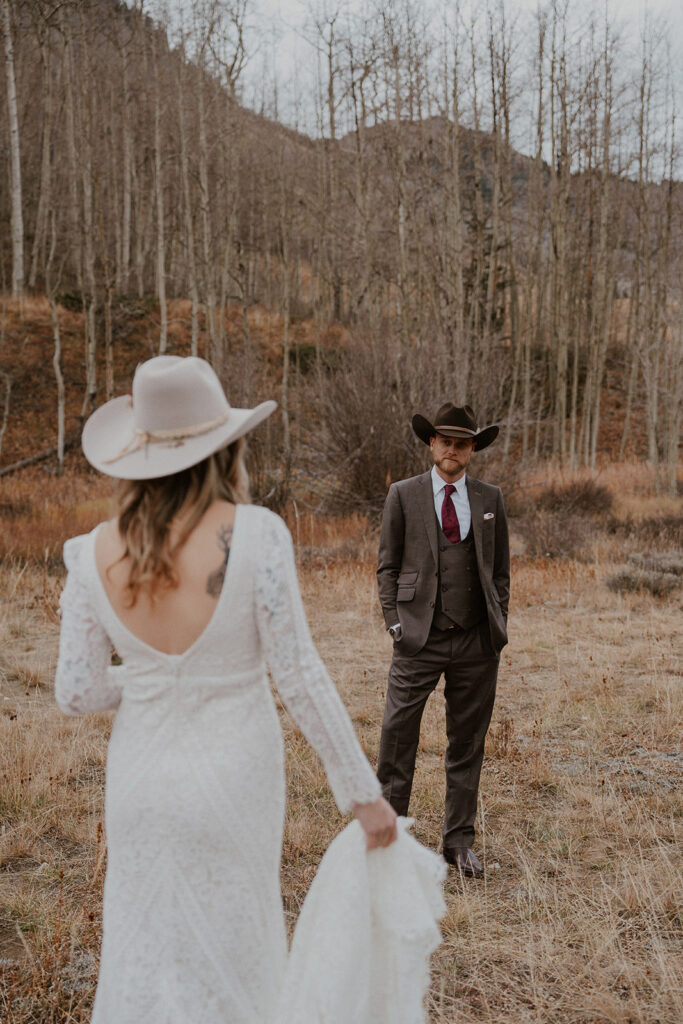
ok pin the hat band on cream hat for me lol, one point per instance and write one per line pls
(149, 437)
(177, 416)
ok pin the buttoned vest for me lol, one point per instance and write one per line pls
(460, 598)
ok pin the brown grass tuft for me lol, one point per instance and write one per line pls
(578, 918)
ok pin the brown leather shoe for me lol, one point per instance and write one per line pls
(464, 859)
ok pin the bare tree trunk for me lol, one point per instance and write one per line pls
(604, 285)
(207, 234)
(559, 223)
(674, 378)
(159, 198)
(44, 197)
(123, 269)
(15, 159)
(632, 377)
(142, 219)
(284, 272)
(74, 218)
(500, 49)
(359, 70)
(673, 333)
(88, 99)
(534, 290)
(7, 381)
(479, 255)
(5, 377)
(51, 286)
(461, 348)
(59, 377)
(187, 208)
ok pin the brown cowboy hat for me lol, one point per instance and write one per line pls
(455, 421)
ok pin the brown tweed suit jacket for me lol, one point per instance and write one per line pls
(408, 567)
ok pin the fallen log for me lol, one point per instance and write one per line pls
(38, 457)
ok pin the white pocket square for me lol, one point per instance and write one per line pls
(489, 515)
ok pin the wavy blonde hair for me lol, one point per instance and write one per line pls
(147, 509)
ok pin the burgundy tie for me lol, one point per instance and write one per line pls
(449, 518)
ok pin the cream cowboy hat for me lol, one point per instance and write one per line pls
(177, 415)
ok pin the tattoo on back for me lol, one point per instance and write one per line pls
(215, 580)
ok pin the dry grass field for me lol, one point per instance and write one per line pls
(578, 919)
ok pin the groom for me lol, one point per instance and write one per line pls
(444, 582)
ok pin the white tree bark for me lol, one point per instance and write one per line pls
(187, 208)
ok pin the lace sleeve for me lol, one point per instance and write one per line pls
(301, 677)
(82, 680)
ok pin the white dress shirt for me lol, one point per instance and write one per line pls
(459, 497)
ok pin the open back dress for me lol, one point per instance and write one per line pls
(193, 926)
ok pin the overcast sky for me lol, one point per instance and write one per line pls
(280, 30)
(280, 77)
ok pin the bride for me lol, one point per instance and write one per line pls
(196, 590)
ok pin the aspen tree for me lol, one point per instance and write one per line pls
(605, 284)
(559, 209)
(7, 382)
(228, 50)
(107, 264)
(500, 51)
(284, 228)
(42, 29)
(455, 226)
(673, 324)
(191, 265)
(534, 300)
(205, 209)
(123, 40)
(15, 157)
(88, 101)
(393, 43)
(361, 60)
(51, 286)
(4, 377)
(325, 37)
(478, 242)
(665, 356)
(159, 200)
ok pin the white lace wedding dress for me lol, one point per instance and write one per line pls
(193, 928)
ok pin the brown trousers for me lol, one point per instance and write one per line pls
(466, 659)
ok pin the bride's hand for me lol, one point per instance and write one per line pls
(378, 821)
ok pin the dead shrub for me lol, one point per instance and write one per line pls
(270, 475)
(629, 580)
(363, 440)
(670, 562)
(664, 530)
(658, 572)
(552, 535)
(578, 497)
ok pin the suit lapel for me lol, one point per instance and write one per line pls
(426, 499)
(474, 493)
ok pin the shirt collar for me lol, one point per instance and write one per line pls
(438, 483)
